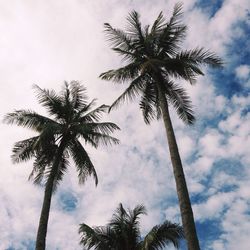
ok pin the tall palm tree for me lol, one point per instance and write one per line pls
(153, 58)
(72, 119)
(123, 233)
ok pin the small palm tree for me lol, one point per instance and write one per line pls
(58, 138)
(154, 58)
(123, 233)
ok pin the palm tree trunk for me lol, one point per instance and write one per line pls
(181, 186)
(44, 217)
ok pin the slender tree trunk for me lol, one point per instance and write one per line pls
(44, 217)
(181, 186)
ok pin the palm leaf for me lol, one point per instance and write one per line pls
(93, 115)
(181, 102)
(29, 119)
(99, 138)
(162, 235)
(158, 25)
(82, 161)
(24, 150)
(78, 95)
(134, 27)
(103, 127)
(117, 37)
(129, 72)
(200, 56)
(149, 103)
(173, 33)
(134, 89)
(51, 101)
(95, 238)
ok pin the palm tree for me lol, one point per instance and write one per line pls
(73, 118)
(123, 233)
(153, 58)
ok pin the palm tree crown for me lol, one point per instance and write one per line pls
(72, 119)
(123, 233)
(154, 57)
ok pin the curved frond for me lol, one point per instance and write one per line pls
(158, 24)
(103, 139)
(98, 238)
(24, 150)
(118, 38)
(181, 102)
(163, 235)
(29, 119)
(102, 127)
(199, 56)
(129, 72)
(173, 33)
(97, 133)
(62, 169)
(181, 69)
(93, 115)
(44, 158)
(134, 89)
(51, 101)
(149, 104)
(134, 27)
(78, 95)
(82, 161)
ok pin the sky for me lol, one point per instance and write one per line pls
(49, 42)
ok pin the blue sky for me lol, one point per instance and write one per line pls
(49, 42)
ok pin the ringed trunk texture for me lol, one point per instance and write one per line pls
(44, 217)
(181, 186)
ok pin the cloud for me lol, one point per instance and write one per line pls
(242, 71)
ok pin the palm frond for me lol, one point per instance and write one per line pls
(95, 238)
(117, 38)
(44, 157)
(149, 103)
(29, 119)
(24, 150)
(200, 56)
(176, 17)
(134, 27)
(51, 101)
(134, 89)
(158, 24)
(82, 161)
(97, 133)
(181, 69)
(181, 102)
(163, 235)
(102, 127)
(173, 33)
(78, 95)
(93, 115)
(129, 72)
(99, 138)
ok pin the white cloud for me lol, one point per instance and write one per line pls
(242, 71)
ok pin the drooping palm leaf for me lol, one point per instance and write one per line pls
(162, 235)
(82, 161)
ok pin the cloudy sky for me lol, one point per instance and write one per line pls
(48, 42)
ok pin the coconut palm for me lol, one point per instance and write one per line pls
(154, 59)
(123, 233)
(72, 118)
